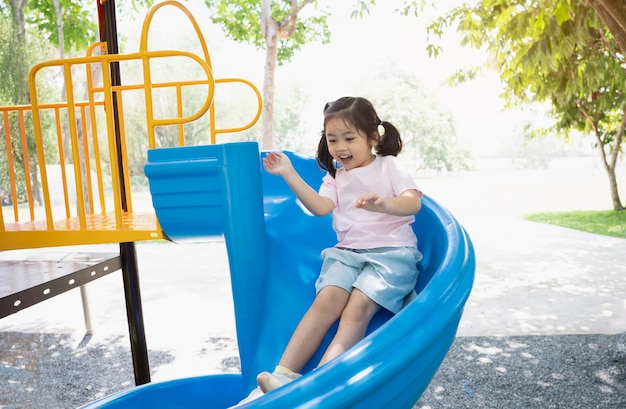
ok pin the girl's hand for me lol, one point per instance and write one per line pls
(372, 202)
(407, 203)
(277, 163)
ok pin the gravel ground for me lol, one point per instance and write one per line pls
(566, 371)
(531, 372)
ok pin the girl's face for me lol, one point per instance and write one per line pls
(347, 145)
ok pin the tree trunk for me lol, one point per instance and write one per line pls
(609, 166)
(58, 12)
(267, 127)
(617, 204)
(17, 12)
(613, 14)
(617, 147)
(271, 33)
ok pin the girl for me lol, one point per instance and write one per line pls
(373, 203)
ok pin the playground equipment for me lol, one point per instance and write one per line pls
(85, 139)
(96, 140)
(273, 248)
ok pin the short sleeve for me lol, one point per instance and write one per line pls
(329, 188)
(401, 180)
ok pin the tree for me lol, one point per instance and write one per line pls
(276, 26)
(613, 14)
(426, 127)
(553, 51)
(11, 87)
(66, 24)
(18, 52)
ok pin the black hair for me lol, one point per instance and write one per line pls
(360, 113)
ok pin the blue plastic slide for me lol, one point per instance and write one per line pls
(274, 247)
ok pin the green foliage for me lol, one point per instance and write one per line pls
(16, 56)
(427, 128)
(552, 51)
(362, 8)
(606, 222)
(79, 22)
(15, 59)
(556, 51)
(407, 7)
(241, 21)
(80, 26)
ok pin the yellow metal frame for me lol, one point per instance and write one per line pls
(84, 222)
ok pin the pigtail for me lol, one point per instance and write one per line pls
(323, 157)
(390, 142)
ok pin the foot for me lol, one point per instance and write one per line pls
(270, 381)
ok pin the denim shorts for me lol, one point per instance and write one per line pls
(386, 275)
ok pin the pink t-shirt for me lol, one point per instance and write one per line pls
(362, 229)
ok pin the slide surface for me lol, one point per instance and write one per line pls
(274, 248)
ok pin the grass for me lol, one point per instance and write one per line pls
(604, 222)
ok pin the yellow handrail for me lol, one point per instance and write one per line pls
(87, 218)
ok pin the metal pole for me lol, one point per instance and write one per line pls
(84, 296)
(134, 313)
(132, 293)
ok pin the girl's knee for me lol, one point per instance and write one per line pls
(360, 306)
(331, 300)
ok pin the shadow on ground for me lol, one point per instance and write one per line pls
(530, 372)
(51, 371)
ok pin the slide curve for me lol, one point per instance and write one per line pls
(274, 247)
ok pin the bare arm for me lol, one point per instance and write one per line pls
(406, 204)
(277, 163)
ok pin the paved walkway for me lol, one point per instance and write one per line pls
(545, 326)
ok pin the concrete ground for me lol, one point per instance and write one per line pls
(545, 325)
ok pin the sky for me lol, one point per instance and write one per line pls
(358, 48)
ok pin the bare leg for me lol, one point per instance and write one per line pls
(327, 307)
(352, 325)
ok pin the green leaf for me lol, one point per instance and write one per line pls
(562, 12)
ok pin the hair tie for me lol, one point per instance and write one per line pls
(381, 128)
